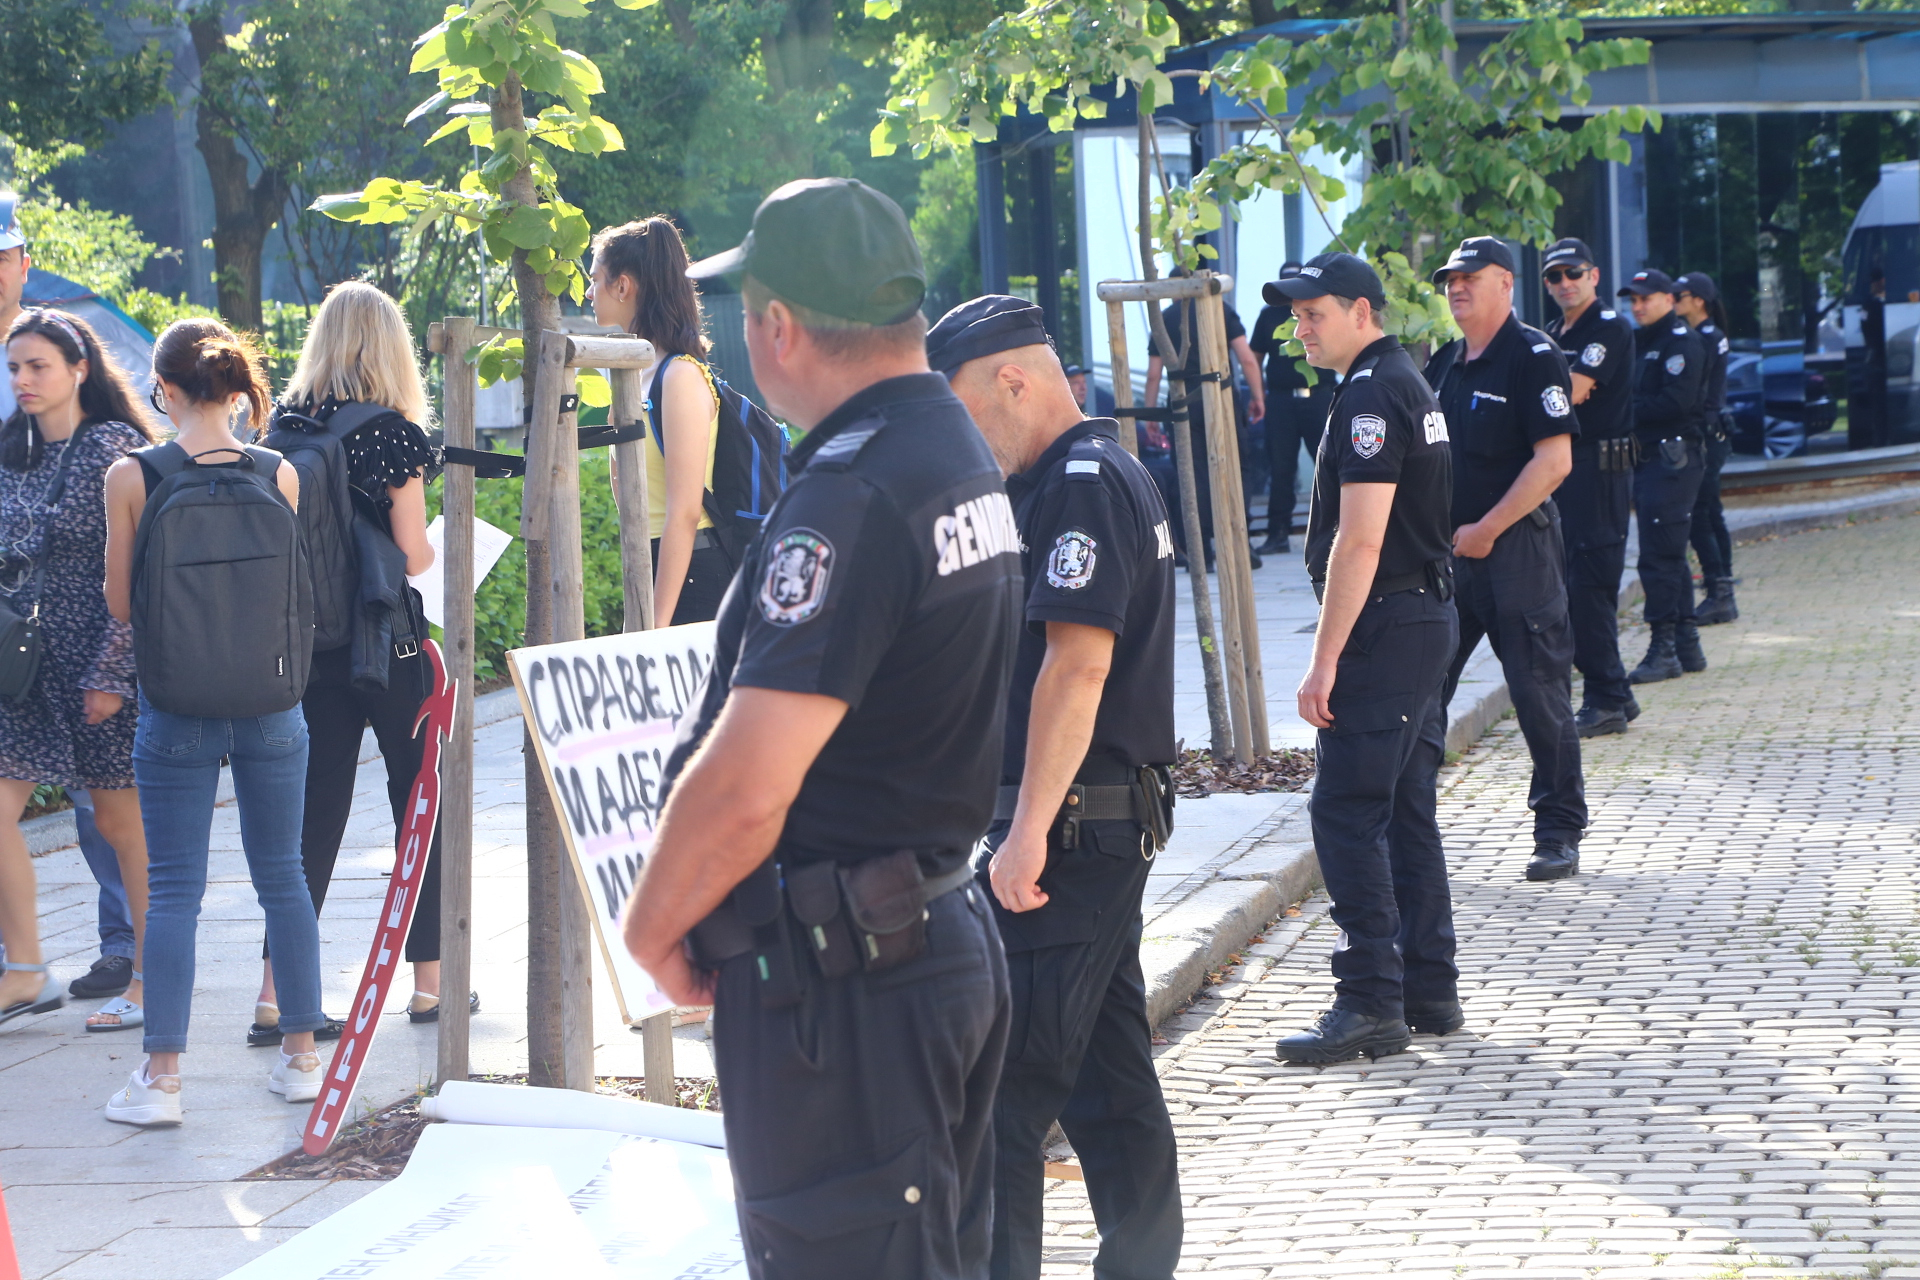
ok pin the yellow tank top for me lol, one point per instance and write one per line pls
(657, 463)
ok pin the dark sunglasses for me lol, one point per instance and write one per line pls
(1570, 273)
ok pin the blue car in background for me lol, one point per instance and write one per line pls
(1775, 401)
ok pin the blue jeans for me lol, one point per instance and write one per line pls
(116, 921)
(176, 762)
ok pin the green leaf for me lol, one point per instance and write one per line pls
(881, 10)
(448, 129)
(564, 8)
(341, 208)
(528, 227)
(635, 4)
(431, 53)
(428, 107)
(594, 389)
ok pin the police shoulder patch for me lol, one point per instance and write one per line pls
(1556, 402)
(1070, 564)
(795, 586)
(1369, 434)
(1676, 364)
(1608, 315)
(1593, 355)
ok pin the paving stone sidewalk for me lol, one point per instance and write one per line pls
(1697, 1059)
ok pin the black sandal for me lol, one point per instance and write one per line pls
(433, 1014)
(263, 1034)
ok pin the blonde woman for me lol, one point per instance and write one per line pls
(360, 351)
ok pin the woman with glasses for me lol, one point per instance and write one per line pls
(77, 416)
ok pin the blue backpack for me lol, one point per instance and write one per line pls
(749, 462)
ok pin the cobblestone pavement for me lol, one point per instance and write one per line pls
(1697, 1059)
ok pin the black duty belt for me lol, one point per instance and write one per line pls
(1089, 804)
(1147, 800)
(1436, 576)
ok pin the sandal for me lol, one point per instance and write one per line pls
(265, 1030)
(49, 999)
(128, 1013)
(432, 1012)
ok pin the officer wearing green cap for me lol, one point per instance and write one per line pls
(811, 875)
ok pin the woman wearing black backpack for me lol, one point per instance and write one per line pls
(357, 369)
(73, 726)
(204, 559)
(640, 284)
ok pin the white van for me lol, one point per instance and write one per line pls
(1884, 246)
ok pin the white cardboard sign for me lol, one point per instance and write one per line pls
(480, 1202)
(604, 713)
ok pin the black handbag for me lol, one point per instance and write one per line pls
(21, 641)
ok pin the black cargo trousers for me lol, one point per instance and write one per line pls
(1594, 510)
(1517, 598)
(1081, 1052)
(859, 1121)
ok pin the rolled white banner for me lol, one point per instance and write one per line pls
(472, 1102)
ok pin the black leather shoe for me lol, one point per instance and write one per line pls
(1436, 1019)
(1553, 860)
(1341, 1034)
(1274, 547)
(1254, 561)
(1593, 722)
(109, 976)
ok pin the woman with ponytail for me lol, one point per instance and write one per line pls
(204, 375)
(74, 727)
(1699, 302)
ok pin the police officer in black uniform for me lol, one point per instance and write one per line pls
(1085, 798)
(1509, 405)
(1698, 302)
(848, 742)
(1296, 411)
(1377, 538)
(1595, 497)
(1669, 399)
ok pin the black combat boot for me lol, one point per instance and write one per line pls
(1718, 607)
(1593, 722)
(1686, 646)
(1341, 1034)
(1442, 1019)
(1632, 709)
(1661, 662)
(1553, 860)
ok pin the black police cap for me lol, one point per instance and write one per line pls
(1339, 274)
(1271, 289)
(1475, 253)
(834, 245)
(1699, 284)
(1567, 253)
(983, 327)
(1646, 282)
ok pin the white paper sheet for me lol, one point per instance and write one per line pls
(475, 1102)
(489, 544)
(482, 1202)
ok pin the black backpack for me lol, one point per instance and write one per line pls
(749, 463)
(317, 451)
(222, 596)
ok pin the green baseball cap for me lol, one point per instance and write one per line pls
(834, 245)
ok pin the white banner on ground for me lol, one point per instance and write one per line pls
(604, 713)
(481, 1202)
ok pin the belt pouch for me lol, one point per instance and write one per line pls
(1673, 452)
(1153, 803)
(1440, 579)
(887, 899)
(758, 900)
(813, 895)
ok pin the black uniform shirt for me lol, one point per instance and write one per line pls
(1498, 407)
(1174, 314)
(1669, 388)
(1600, 345)
(1385, 428)
(1715, 389)
(1097, 550)
(887, 576)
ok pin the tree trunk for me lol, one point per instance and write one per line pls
(548, 876)
(799, 53)
(244, 211)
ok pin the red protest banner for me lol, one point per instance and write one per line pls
(403, 891)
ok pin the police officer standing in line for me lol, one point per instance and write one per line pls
(1595, 497)
(1698, 302)
(1296, 412)
(1377, 535)
(1669, 394)
(1086, 798)
(825, 797)
(1509, 406)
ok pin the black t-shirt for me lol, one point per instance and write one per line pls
(1600, 345)
(1174, 313)
(1498, 407)
(1097, 550)
(1669, 391)
(887, 576)
(1717, 349)
(1385, 428)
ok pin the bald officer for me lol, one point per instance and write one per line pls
(1086, 799)
(827, 792)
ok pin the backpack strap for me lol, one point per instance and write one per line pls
(158, 461)
(656, 407)
(266, 463)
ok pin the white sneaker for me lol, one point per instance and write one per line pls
(146, 1102)
(297, 1079)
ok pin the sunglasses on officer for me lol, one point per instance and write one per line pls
(1556, 274)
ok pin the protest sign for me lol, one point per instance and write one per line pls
(603, 715)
